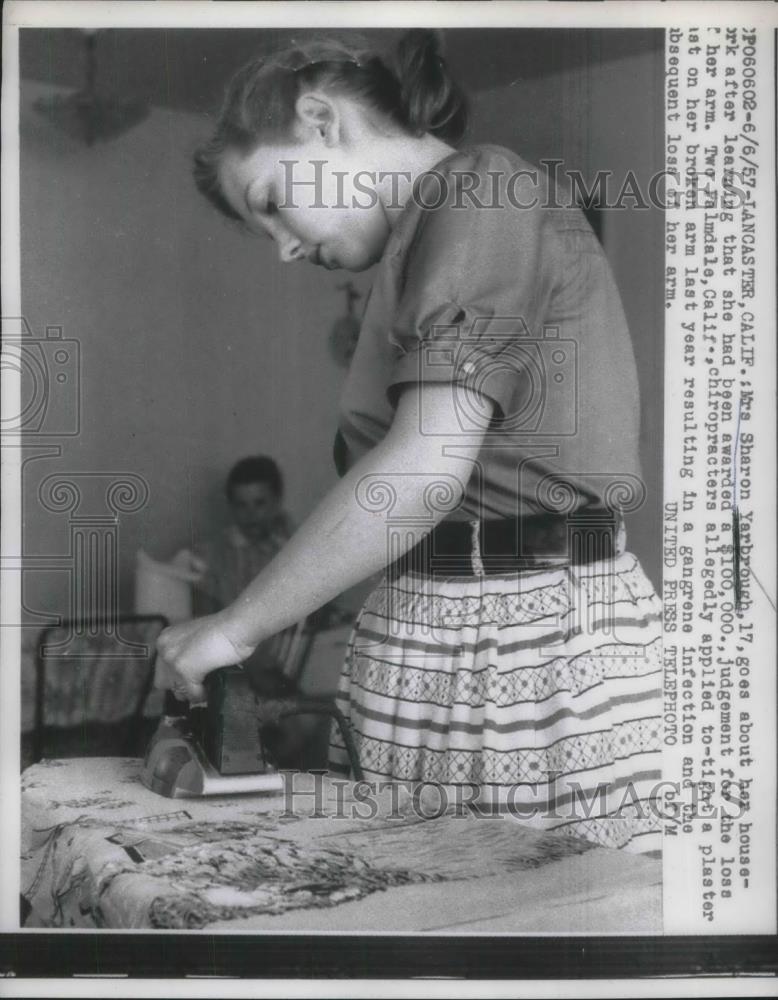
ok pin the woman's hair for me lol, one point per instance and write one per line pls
(255, 469)
(415, 91)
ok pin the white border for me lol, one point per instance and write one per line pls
(388, 14)
(10, 522)
(432, 988)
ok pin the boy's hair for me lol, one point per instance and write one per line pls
(255, 469)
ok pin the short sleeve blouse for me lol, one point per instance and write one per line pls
(489, 280)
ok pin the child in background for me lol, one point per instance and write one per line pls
(260, 527)
(488, 441)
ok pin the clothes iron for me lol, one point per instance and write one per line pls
(213, 749)
(236, 742)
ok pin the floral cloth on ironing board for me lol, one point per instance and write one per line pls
(100, 850)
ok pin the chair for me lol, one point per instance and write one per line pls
(275, 670)
(92, 681)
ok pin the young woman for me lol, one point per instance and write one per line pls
(487, 444)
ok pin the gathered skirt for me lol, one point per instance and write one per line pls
(540, 691)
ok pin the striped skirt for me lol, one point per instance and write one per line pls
(539, 690)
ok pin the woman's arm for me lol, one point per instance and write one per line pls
(345, 539)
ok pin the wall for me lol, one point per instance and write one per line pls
(607, 114)
(198, 348)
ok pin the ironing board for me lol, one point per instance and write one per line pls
(100, 850)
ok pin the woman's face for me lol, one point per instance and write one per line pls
(315, 201)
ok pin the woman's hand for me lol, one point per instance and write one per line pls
(195, 648)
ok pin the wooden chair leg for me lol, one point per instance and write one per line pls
(348, 741)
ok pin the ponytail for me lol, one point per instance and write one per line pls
(432, 100)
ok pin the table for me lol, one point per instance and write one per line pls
(100, 850)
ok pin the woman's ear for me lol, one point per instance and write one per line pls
(315, 110)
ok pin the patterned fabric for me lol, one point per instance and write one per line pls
(101, 850)
(97, 678)
(541, 689)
